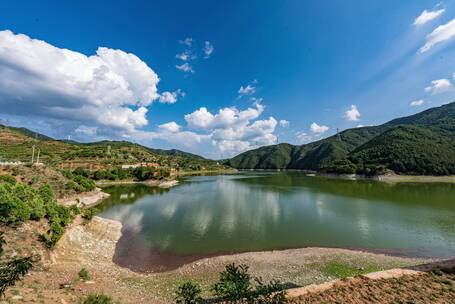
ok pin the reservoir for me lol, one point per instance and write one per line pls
(253, 211)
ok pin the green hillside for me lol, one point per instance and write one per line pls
(16, 145)
(27, 132)
(426, 148)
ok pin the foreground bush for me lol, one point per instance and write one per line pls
(188, 293)
(99, 299)
(235, 285)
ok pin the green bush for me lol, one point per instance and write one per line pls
(7, 179)
(188, 293)
(53, 235)
(12, 271)
(83, 274)
(234, 283)
(88, 214)
(98, 299)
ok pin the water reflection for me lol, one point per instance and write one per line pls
(275, 210)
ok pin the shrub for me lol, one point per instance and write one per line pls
(188, 293)
(53, 235)
(83, 274)
(7, 179)
(88, 214)
(12, 271)
(234, 283)
(98, 299)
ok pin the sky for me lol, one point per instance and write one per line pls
(218, 78)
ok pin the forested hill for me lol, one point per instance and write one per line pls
(402, 145)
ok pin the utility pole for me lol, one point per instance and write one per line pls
(33, 153)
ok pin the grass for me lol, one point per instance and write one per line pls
(339, 270)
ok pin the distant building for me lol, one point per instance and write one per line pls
(131, 166)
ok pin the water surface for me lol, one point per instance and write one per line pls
(208, 215)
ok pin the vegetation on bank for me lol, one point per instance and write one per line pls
(423, 144)
(20, 203)
(116, 173)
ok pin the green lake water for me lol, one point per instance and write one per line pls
(271, 210)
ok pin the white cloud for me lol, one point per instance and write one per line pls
(440, 34)
(186, 55)
(416, 103)
(360, 126)
(248, 90)
(304, 138)
(352, 114)
(86, 130)
(208, 49)
(171, 97)
(426, 16)
(42, 80)
(284, 123)
(185, 67)
(187, 41)
(317, 129)
(439, 86)
(233, 131)
(170, 127)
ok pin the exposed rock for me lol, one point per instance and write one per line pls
(93, 242)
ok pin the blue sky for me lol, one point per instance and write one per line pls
(305, 68)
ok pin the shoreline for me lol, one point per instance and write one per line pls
(390, 178)
(393, 178)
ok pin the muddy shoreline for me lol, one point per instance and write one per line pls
(132, 254)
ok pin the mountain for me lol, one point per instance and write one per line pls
(375, 145)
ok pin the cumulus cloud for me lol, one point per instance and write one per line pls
(317, 129)
(110, 88)
(416, 103)
(171, 97)
(170, 127)
(439, 86)
(352, 114)
(426, 16)
(284, 123)
(232, 130)
(208, 49)
(440, 34)
(185, 56)
(185, 67)
(248, 90)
